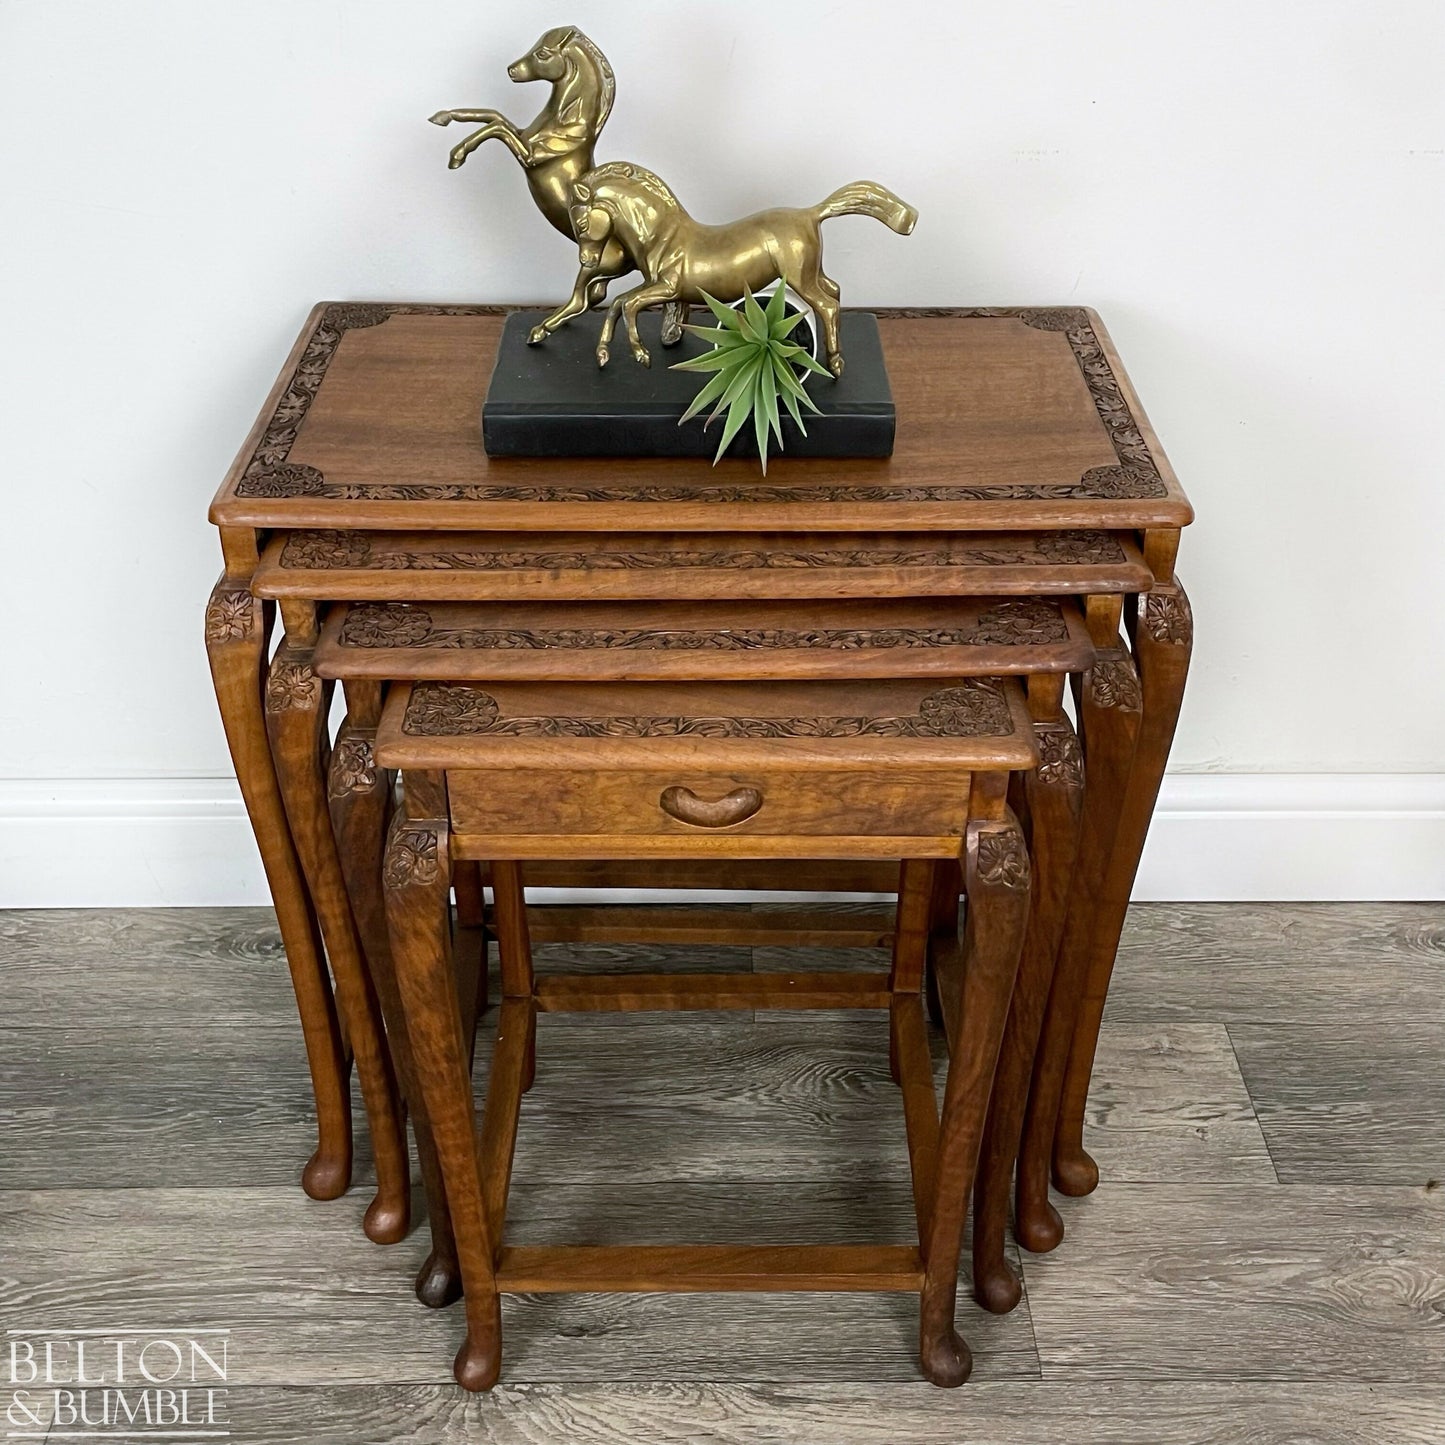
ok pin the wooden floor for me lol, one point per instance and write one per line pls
(1264, 1263)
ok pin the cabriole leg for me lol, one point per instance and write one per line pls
(1109, 711)
(296, 707)
(1052, 799)
(417, 884)
(237, 630)
(996, 884)
(359, 795)
(1163, 636)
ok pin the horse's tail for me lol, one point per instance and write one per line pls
(868, 198)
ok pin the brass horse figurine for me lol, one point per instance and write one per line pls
(681, 258)
(556, 149)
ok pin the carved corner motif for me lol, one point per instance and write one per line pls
(1055, 318)
(1003, 861)
(353, 315)
(325, 550)
(291, 685)
(1112, 483)
(1061, 759)
(1168, 618)
(1115, 683)
(287, 480)
(386, 624)
(230, 615)
(440, 709)
(1021, 621)
(411, 856)
(353, 767)
(1080, 548)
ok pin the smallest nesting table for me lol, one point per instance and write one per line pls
(914, 770)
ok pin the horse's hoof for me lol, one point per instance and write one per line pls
(387, 1221)
(1075, 1172)
(536, 336)
(438, 1282)
(455, 161)
(442, 117)
(479, 1363)
(835, 365)
(998, 1289)
(603, 355)
(1039, 1232)
(642, 356)
(947, 1361)
(326, 1176)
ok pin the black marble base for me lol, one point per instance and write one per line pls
(553, 400)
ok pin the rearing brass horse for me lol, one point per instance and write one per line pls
(681, 258)
(556, 150)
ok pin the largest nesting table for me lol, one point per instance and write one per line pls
(1024, 467)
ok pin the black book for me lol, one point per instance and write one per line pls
(553, 400)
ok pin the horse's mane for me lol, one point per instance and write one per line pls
(640, 176)
(604, 70)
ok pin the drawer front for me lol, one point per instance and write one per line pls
(682, 804)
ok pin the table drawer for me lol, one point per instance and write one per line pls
(681, 803)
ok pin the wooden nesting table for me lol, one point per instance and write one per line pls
(1025, 469)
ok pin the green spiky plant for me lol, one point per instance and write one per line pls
(752, 363)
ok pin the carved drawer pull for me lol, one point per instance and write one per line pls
(685, 805)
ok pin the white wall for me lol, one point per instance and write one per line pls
(1253, 194)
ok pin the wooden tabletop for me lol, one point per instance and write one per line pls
(1008, 419)
(495, 566)
(703, 641)
(908, 722)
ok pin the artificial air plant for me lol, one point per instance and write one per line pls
(753, 364)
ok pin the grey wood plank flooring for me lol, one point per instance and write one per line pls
(143, 968)
(1340, 1104)
(1263, 1262)
(1169, 1104)
(309, 1300)
(1038, 1412)
(1290, 963)
(1245, 1282)
(138, 1107)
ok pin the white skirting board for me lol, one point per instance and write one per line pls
(1239, 837)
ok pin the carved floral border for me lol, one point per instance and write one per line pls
(332, 550)
(1019, 622)
(975, 707)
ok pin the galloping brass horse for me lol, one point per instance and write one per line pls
(556, 150)
(681, 258)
